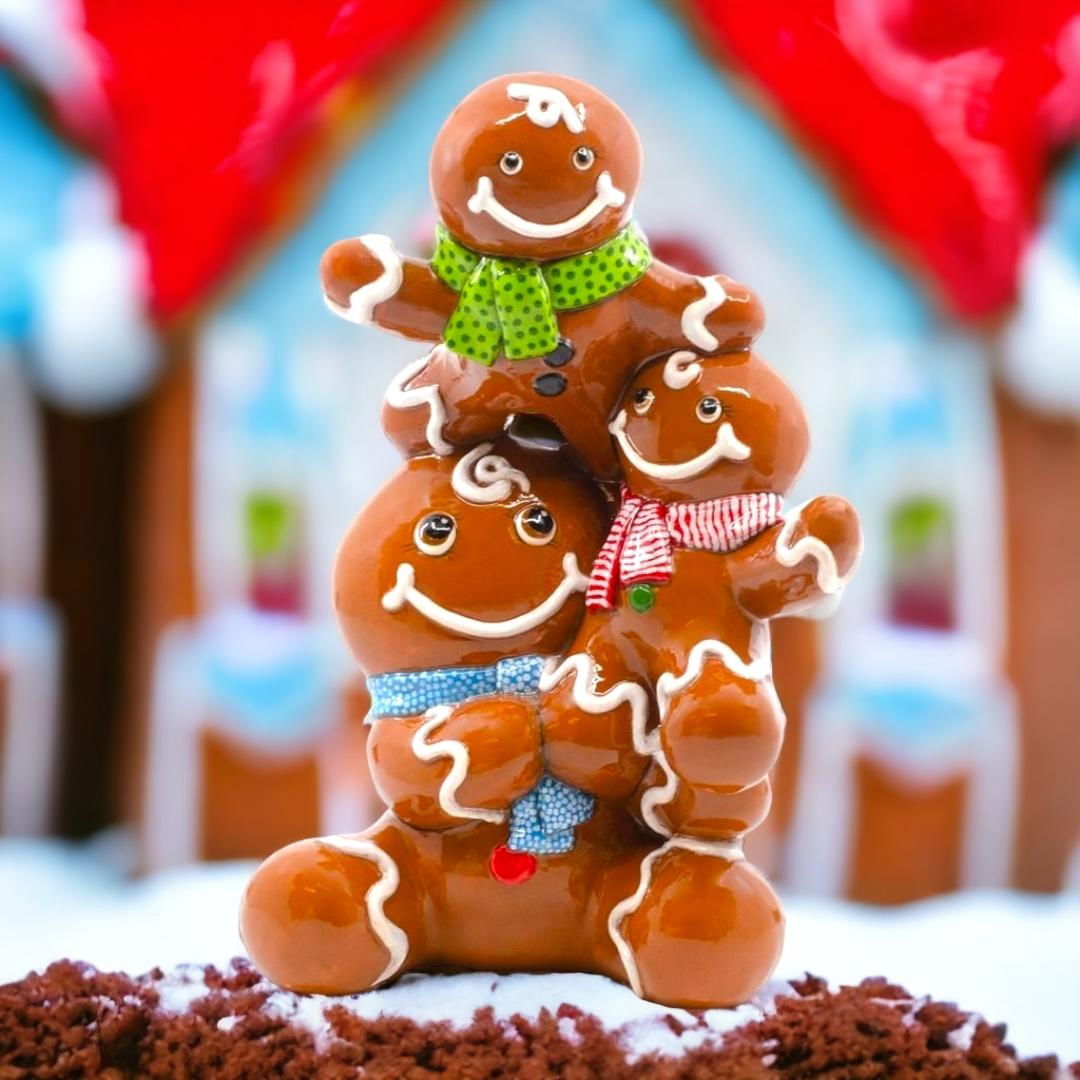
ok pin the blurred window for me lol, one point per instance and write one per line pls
(921, 568)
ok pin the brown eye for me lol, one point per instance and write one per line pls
(643, 399)
(535, 525)
(435, 534)
(709, 409)
(511, 162)
(583, 158)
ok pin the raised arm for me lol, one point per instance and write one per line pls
(452, 765)
(795, 565)
(365, 280)
(673, 310)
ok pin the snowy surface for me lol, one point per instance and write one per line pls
(1012, 957)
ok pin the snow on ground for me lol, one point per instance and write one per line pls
(1011, 956)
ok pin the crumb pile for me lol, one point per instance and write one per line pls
(73, 1021)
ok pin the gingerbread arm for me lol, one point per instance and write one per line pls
(793, 566)
(673, 310)
(452, 765)
(365, 280)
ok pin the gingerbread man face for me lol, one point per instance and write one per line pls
(467, 559)
(535, 166)
(693, 428)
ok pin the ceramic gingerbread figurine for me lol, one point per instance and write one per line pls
(455, 587)
(542, 294)
(667, 690)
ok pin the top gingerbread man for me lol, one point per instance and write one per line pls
(542, 295)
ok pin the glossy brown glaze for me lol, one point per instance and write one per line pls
(608, 340)
(662, 709)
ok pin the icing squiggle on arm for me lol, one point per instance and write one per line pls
(697, 311)
(392, 937)
(362, 301)
(399, 395)
(829, 579)
(458, 753)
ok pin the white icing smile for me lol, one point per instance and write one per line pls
(405, 592)
(726, 447)
(484, 201)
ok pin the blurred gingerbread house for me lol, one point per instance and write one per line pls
(876, 171)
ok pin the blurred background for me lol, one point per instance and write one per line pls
(185, 431)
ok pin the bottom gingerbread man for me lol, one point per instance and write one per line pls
(459, 589)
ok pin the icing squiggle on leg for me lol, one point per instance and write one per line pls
(697, 311)
(362, 301)
(399, 395)
(721, 849)
(392, 937)
(829, 579)
(458, 753)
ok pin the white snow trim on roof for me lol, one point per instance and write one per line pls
(1040, 356)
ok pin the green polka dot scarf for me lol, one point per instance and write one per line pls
(508, 305)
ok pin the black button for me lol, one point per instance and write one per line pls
(550, 385)
(563, 353)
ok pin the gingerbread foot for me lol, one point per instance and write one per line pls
(325, 916)
(703, 929)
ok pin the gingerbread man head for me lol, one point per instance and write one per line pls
(702, 427)
(535, 166)
(468, 559)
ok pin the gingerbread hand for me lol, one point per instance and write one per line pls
(673, 310)
(792, 567)
(365, 280)
(456, 764)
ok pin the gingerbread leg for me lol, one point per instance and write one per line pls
(696, 927)
(328, 915)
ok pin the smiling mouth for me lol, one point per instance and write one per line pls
(727, 446)
(405, 592)
(484, 201)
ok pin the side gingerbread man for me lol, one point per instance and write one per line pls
(542, 297)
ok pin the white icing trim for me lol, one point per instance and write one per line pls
(404, 592)
(720, 849)
(484, 201)
(681, 369)
(458, 753)
(400, 396)
(727, 446)
(481, 477)
(829, 579)
(697, 311)
(756, 669)
(545, 106)
(362, 301)
(391, 936)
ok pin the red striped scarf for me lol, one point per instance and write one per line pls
(644, 533)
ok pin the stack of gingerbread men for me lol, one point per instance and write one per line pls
(562, 599)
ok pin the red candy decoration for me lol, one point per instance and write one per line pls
(512, 867)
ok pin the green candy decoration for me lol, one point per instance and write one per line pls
(641, 598)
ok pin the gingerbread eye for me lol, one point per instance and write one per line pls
(435, 534)
(535, 525)
(643, 399)
(511, 162)
(709, 409)
(583, 157)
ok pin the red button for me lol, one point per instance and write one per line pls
(512, 867)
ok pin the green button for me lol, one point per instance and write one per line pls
(641, 597)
